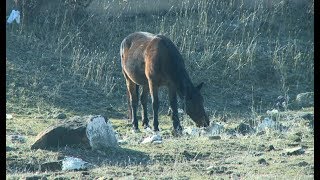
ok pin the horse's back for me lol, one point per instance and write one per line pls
(145, 55)
(135, 38)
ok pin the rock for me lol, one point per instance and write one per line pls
(122, 142)
(61, 116)
(51, 166)
(214, 129)
(156, 138)
(308, 116)
(219, 170)
(260, 133)
(281, 102)
(266, 123)
(293, 144)
(294, 151)
(72, 163)
(210, 168)
(303, 163)
(192, 131)
(214, 137)
(244, 129)
(100, 133)
(270, 148)
(71, 132)
(9, 116)
(273, 112)
(305, 99)
(85, 173)
(104, 178)
(296, 139)
(263, 161)
(87, 131)
(8, 148)
(231, 132)
(18, 138)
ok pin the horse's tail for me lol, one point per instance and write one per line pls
(122, 47)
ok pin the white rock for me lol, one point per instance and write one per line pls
(100, 133)
(14, 15)
(9, 116)
(193, 131)
(266, 123)
(151, 139)
(72, 163)
(214, 129)
(273, 112)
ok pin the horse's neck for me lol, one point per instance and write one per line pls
(185, 86)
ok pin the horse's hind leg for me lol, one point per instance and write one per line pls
(144, 101)
(174, 111)
(129, 106)
(155, 104)
(133, 98)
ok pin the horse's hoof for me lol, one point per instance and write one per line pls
(177, 132)
(136, 130)
(146, 126)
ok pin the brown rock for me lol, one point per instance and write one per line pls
(71, 132)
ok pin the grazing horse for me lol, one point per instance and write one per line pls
(152, 61)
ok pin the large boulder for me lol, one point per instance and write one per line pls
(87, 131)
(100, 133)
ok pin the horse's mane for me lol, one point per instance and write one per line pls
(180, 75)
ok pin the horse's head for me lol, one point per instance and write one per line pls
(194, 107)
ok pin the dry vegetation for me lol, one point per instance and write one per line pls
(67, 60)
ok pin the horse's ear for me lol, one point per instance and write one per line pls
(200, 86)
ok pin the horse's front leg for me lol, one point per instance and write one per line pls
(155, 105)
(174, 111)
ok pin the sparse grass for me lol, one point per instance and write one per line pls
(177, 158)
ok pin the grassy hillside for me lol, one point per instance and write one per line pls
(246, 56)
(64, 61)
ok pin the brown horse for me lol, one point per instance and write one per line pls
(152, 61)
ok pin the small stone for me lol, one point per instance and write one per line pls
(303, 163)
(270, 148)
(263, 161)
(258, 154)
(122, 142)
(295, 151)
(85, 173)
(61, 116)
(244, 128)
(293, 144)
(297, 139)
(18, 138)
(8, 148)
(261, 133)
(151, 139)
(221, 169)
(51, 166)
(9, 116)
(308, 116)
(157, 142)
(214, 137)
(210, 168)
